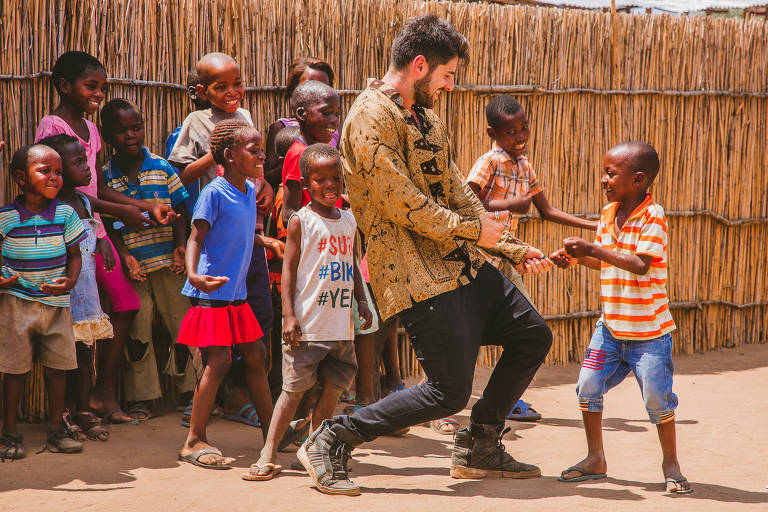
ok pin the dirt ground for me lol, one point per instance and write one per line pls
(722, 444)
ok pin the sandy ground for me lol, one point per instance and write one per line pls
(722, 444)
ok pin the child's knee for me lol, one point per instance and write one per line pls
(590, 390)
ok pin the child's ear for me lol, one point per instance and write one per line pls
(63, 85)
(200, 90)
(192, 92)
(19, 177)
(491, 132)
(640, 179)
(227, 154)
(303, 182)
(301, 114)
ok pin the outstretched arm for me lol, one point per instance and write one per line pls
(549, 212)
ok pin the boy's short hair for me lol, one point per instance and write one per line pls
(502, 105)
(71, 65)
(310, 93)
(20, 158)
(203, 77)
(300, 65)
(58, 142)
(227, 134)
(642, 156)
(431, 36)
(109, 113)
(314, 153)
(285, 139)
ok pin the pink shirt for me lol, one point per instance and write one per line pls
(54, 125)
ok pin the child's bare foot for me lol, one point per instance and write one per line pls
(674, 480)
(108, 410)
(591, 468)
(206, 456)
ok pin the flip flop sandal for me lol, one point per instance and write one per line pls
(680, 491)
(446, 426)
(255, 474)
(523, 411)
(246, 415)
(585, 475)
(92, 426)
(346, 397)
(292, 434)
(107, 418)
(139, 412)
(193, 458)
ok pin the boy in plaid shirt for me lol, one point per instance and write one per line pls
(503, 179)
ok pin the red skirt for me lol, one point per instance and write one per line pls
(219, 326)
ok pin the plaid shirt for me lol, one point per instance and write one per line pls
(500, 176)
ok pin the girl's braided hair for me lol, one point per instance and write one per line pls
(227, 134)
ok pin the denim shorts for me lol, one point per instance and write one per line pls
(609, 360)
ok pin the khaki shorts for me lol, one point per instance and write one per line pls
(334, 361)
(32, 330)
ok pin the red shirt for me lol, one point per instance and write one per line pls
(291, 171)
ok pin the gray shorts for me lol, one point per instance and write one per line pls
(333, 361)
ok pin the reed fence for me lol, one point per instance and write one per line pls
(695, 88)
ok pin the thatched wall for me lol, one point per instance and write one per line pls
(695, 88)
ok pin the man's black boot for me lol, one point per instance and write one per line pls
(479, 453)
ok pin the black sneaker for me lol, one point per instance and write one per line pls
(325, 457)
(479, 453)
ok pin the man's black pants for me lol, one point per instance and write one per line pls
(446, 333)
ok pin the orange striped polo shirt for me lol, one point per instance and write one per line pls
(635, 307)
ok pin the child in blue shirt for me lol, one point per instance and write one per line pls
(217, 259)
(41, 263)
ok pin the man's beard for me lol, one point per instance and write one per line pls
(421, 94)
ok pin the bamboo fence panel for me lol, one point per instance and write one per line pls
(695, 88)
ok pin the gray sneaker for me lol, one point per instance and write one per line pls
(325, 457)
(62, 441)
(479, 453)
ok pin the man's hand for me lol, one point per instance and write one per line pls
(6, 282)
(207, 284)
(534, 262)
(265, 199)
(107, 256)
(58, 286)
(519, 204)
(133, 219)
(178, 266)
(577, 247)
(291, 331)
(562, 260)
(133, 267)
(492, 226)
(365, 315)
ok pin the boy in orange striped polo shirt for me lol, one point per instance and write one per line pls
(630, 251)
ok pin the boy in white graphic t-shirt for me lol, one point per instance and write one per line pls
(320, 280)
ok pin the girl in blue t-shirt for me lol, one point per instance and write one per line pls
(217, 259)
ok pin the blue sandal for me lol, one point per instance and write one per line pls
(246, 415)
(523, 412)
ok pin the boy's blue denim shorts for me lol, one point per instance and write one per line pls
(609, 360)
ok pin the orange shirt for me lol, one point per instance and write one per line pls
(635, 307)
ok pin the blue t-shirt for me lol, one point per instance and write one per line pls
(228, 245)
